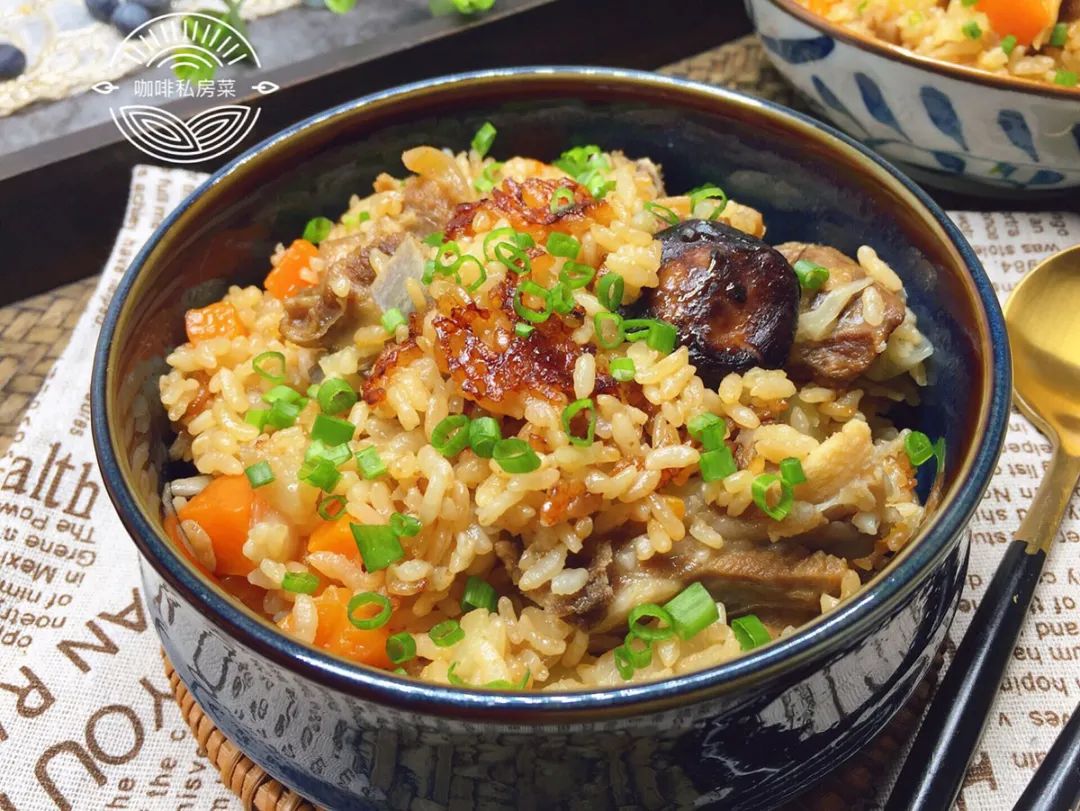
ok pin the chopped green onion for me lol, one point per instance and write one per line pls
(392, 319)
(968, 3)
(939, 454)
(650, 632)
(717, 464)
(446, 633)
(791, 471)
(712, 436)
(518, 239)
(523, 330)
(513, 257)
(484, 433)
(622, 369)
(1059, 35)
(811, 275)
(282, 394)
(486, 181)
(1066, 78)
(451, 435)
(624, 662)
(531, 288)
(447, 259)
(405, 526)
(587, 165)
(313, 391)
(692, 610)
(259, 474)
(604, 336)
(560, 244)
(370, 463)
(258, 363)
(435, 240)
(481, 272)
(562, 199)
(331, 508)
(335, 396)
(708, 191)
(699, 422)
(401, 647)
(300, 582)
(478, 594)
(320, 472)
(400, 671)
(760, 492)
(453, 677)
(378, 545)
(571, 411)
(369, 598)
(332, 430)
(514, 455)
(338, 454)
(638, 658)
(576, 275)
(610, 291)
(282, 414)
(662, 337)
(484, 138)
(1007, 44)
(750, 632)
(662, 212)
(353, 220)
(257, 417)
(428, 276)
(657, 334)
(971, 30)
(317, 229)
(918, 447)
(562, 299)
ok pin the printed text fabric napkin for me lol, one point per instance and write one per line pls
(87, 719)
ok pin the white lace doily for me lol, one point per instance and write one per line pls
(67, 51)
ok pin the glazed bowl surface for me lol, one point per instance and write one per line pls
(744, 735)
(947, 125)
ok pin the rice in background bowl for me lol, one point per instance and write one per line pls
(934, 90)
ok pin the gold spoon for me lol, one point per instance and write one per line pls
(1043, 317)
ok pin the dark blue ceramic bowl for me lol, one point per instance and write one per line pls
(748, 734)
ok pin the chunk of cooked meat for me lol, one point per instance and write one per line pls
(746, 574)
(527, 206)
(1070, 11)
(835, 343)
(733, 299)
(584, 607)
(428, 202)
(497, 369)
(319, 316)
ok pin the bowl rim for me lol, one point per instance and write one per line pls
(950, 70)
(815, 639)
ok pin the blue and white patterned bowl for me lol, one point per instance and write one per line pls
(949, 125)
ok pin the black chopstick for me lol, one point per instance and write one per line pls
(1056, 784)
(934, 770)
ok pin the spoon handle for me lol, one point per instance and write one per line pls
(934, 770)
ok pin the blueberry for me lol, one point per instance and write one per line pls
(156, 6)
(129, 16)
(101, 9)
(12, 61)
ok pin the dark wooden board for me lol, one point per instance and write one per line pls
(61, 202)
